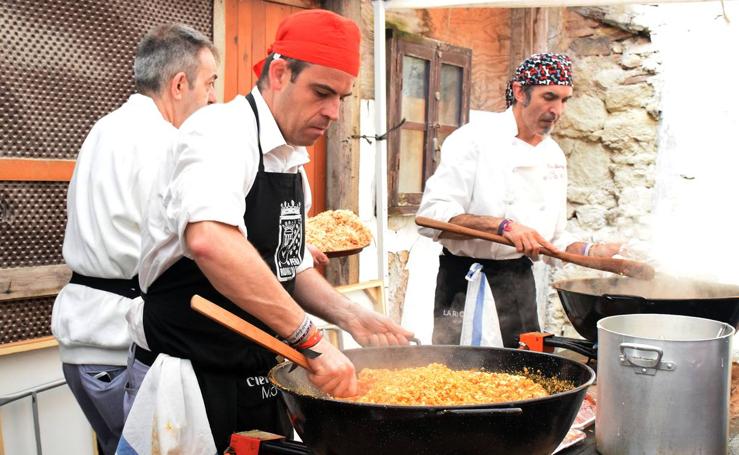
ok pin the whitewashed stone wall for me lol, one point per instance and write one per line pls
(609, 135)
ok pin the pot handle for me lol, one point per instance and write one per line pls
(644, 365)
(481, 411)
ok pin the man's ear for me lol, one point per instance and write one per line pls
(518, 93)
(279, 74)
(178, 85)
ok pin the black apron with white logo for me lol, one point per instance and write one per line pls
(231, 370)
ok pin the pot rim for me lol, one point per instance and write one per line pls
(505, 404)
(724, 326)
(560, 286)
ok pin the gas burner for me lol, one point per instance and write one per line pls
(546, 342)
(257, 442)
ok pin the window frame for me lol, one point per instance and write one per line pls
(437, 54)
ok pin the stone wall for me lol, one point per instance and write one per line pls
(608, 133)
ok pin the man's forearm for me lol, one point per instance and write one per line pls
(235, 268)
(318, 297)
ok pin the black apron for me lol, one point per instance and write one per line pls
(231, 370)
(514, 290)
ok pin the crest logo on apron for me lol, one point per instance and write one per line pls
(288, 254)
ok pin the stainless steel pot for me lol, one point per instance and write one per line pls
(663, 385)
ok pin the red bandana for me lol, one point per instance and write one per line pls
(318, 36)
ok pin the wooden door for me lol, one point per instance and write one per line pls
(250, 28)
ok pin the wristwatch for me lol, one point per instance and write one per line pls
(504, 226)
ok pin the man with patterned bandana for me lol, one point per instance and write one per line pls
(504, 174)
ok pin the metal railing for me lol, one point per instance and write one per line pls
(33, 393)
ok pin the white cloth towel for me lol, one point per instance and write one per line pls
(480, 325)
(168, 415)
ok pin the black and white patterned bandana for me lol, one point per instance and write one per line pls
(541, 69)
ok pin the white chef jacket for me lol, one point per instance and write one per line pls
(486, 170)
(211, 169)
(109, 190)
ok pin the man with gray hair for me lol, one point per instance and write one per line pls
(175, 72)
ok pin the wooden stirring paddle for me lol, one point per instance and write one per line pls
(246, 329)
(624, 267)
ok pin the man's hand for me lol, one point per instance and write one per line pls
(527, 240)
(370, 328)
(604, 250)
(318, 256)
(332, 371)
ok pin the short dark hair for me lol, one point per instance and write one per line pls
(294, 65)
(527, 89)
(165, 51)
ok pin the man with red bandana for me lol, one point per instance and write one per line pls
(229, 224)
(504, 174)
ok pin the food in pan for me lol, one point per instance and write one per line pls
(337, 230)
(438, 385)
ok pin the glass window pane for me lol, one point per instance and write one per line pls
(450, 104)
(410, 171)
(415, 88)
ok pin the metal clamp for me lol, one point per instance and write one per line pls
(644, 365)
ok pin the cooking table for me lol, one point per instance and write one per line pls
(587, 447)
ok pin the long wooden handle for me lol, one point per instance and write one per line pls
(620, 266)
(246, 329)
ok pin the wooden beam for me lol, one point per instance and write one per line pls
(27, 345)
(342, 159)
(22, 169)
(94, 444)
(540, 30)
(374, 289)
(230, 54)
(358, 286)
(27, 282)
(518, 17)
(220, 9)
(529, 34)
(2, 443)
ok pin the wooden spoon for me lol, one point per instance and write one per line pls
(247, 330)
(620, 266)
